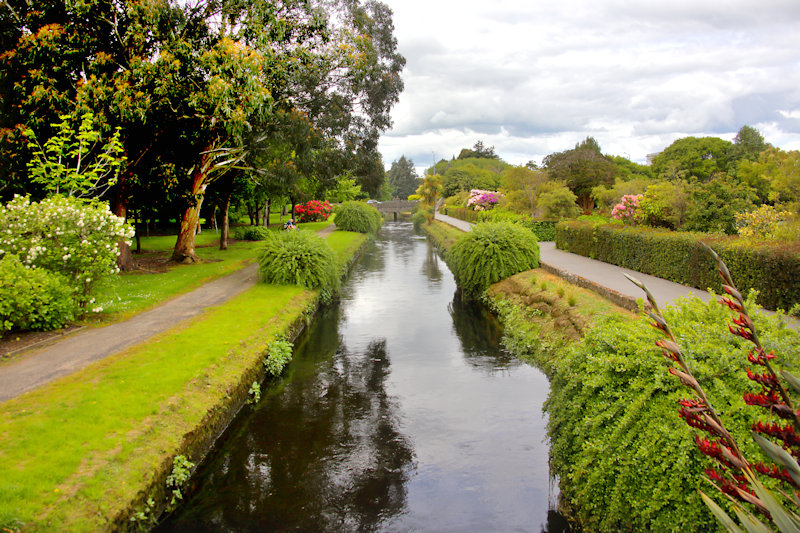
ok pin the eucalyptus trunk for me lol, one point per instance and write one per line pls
(184, 246)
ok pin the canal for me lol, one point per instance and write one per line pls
(400, 412)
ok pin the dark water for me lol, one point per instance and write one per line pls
(400, 412)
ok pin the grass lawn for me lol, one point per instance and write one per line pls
(132, 292)
(444, 234)
(77, 451)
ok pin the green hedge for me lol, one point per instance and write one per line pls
(33, 298)
(545, 230)
(678, 256)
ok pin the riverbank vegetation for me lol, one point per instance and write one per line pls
(358, 216)
(87, 452)
(624, 459)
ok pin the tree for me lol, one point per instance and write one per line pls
(628, 170)
(775, 175)
(747, 144)
(695, 158)
(478, 151)
(403, 177)
(430, 188)
(582, 168)
(522, 185)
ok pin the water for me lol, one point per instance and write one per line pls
(400, 412)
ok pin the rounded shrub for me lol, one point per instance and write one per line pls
(490, 252)
(298, 258)
(251, 233)
(358, 216)
(33, 298)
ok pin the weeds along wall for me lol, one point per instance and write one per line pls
(771, 269)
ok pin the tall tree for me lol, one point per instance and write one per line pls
(747, 144)
(696, 158)
(403, 177)
(582, 168)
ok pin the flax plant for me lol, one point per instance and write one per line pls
(734, 475)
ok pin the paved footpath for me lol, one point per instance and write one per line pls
(78, 350)
(602, 274)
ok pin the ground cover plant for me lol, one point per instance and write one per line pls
(490, 252)
(358, 216)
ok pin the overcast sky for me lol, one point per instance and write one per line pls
(532, 77)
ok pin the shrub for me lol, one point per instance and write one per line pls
(480, 200)
(461, 213)
(770, 268)
(298, 258)
(312, 211)
(251, 233)
(490, 252)
(73, 237)
(358, 216)
(625, 210)
(545, 230)
(625, 463)
(33, 298)
(761, 223)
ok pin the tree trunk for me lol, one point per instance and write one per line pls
(223, 234)
(586, 203)
(266, 213)
(118, 207)
(184, 246)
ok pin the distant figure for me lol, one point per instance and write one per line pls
(289, 224)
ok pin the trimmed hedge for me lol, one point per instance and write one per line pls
(545, 230)
(771, 269)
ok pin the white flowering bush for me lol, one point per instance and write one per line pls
(75, 238)
(33, 298)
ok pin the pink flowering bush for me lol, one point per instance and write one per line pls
(625, 210)
(483, 200)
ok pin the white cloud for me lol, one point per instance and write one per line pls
(531, 78)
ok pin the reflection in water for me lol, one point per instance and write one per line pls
(399, 412)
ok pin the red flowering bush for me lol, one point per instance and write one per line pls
(312, 211)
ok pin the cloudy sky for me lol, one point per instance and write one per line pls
(532, 77)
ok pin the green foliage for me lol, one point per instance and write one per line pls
(607, 198)
(665, 204)
(254, 393)
(545, 230)
(345, 190)
(582, 168)
(625, 460)
(403, 177)
(358, 216)
(181, 471)
(556, 201)
(627, 170)
(469, 173)
(478, 151)
(279, 353)
(769, 268)
(251, 233)
(74, 238)
(716, 203)
(775, 174)
(693, 158)
(461, 213)
(490, 252)
(69, 163)
(33, 298)
(761, 223)
(298, 258)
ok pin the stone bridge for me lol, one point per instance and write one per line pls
(394, 207)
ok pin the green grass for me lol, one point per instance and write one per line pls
(129, 293)
(75, 452)
(444, 234)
